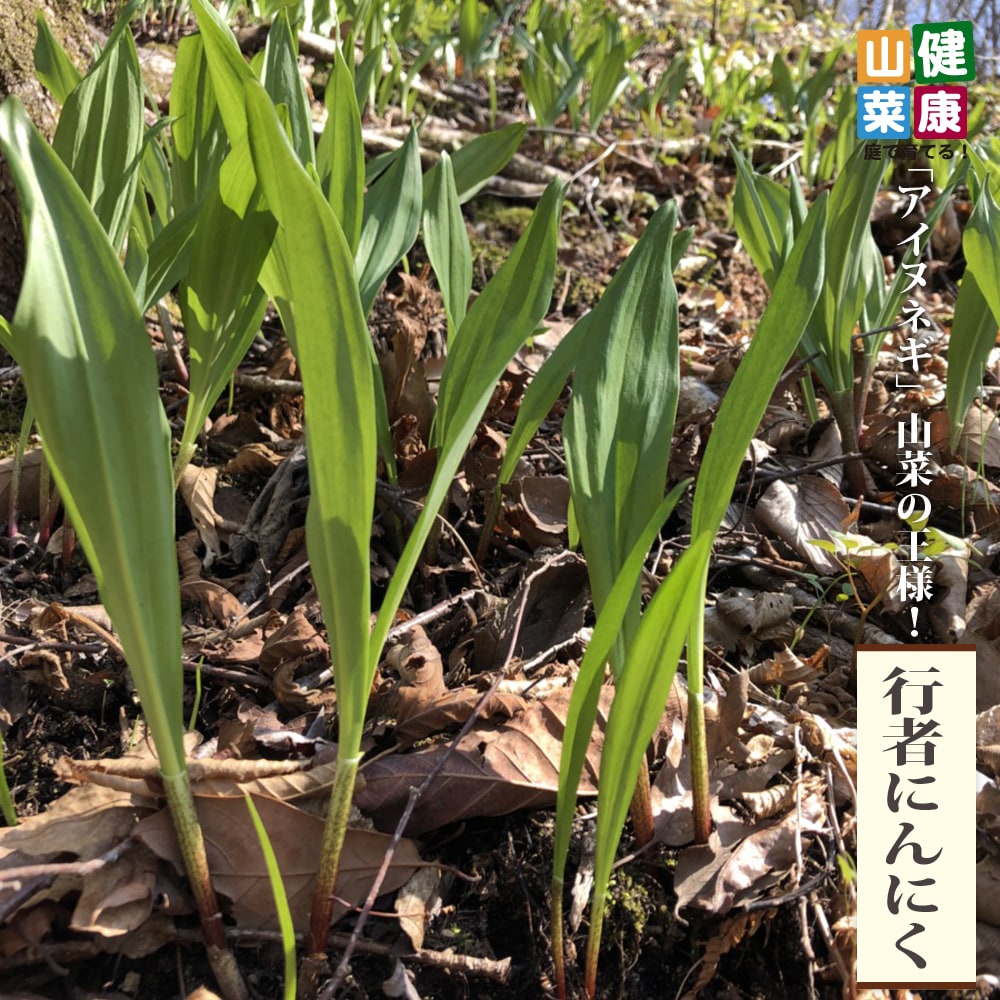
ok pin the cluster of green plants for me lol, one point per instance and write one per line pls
(119, 215)
(575, 59)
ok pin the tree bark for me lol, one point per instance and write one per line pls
(18, 32)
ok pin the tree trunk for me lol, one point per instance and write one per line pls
(17, 76)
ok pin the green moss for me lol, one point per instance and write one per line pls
(630, 904)
(17, 52)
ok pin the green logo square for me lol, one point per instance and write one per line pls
(943, 53)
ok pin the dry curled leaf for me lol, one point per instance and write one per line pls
(197, 487)
(798, 512)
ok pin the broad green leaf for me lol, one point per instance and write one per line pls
(548, 382)
(607, 79)
(973, 334)
(782, 86)
(587, 687)
(470, 27)
(479, 160)
(229, 70)
(311, 279)
(391, 220)
(155, 181)
(500, 320)
(364, 76)
(100, 132)
(619, 423)
(340, 156)
(92, 381)
(795, 296)
(169, 254)
(283, 82)
(221, 301)
(55, 69)
(844, 292)
(447, 244)
(981, 245)
(199, 138)
(640, 697)
(763, 220)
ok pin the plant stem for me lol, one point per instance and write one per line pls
(558, 944)
(843, 412)
(183, 459)
(333, 842)
(192, 845)
(593, 946)
(697, 745)
(641, 808)
(486, 535)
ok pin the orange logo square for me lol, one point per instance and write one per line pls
(883, 56)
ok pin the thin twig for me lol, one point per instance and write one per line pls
(264, 383)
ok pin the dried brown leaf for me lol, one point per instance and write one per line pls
(117, 898)
(418, 901)
(85, 823)
(495, 770)
(297, 639)
(540, 517)
(718, 876)
(197, 487)
(808, 508)
(237, 861)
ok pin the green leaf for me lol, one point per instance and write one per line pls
(640, 697)
(155, 181)
(282, 80)
(482, 158)
(550, 380)
(281, 908)
(619, 423)
(55, 69)
(137, 265)
(795, 295)
(311, 279)
(199, 138)
(973, 335)
(230, 72)
(981, 245)
(763, 219)
(92, 381)
(391, 219)
(169, 254)
(607, 79)
(844, 291)
(447, 244)
(220, 300)
(100, 132)
(500, 320)
(587, 687)
(340, 157)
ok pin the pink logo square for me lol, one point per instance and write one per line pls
(940, 112)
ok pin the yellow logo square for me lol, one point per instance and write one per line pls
(883, 56)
